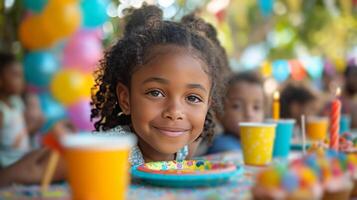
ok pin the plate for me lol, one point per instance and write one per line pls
(187, 173)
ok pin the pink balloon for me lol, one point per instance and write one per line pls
(79, 114)
(83, 51)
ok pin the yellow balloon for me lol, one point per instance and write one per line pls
(89, 85)
(33, 35)
(62, 18)
(68, 86)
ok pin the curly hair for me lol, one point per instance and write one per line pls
(198, 24)
(145, 30)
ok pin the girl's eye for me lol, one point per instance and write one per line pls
(236, 106)
(155, 93)
(256, 107)
(194, 99)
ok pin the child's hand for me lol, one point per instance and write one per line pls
(30, 169)
(33, 114)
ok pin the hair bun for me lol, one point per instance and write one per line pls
(199, 25)
(146, 17)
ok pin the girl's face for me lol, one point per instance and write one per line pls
(244, 103)
(168, 101)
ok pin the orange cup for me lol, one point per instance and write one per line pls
(98, 166)
(316, 128)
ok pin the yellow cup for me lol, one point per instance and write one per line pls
(316, 128)
(98, 166)
(257, 142)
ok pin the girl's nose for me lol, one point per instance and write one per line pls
(173, 111)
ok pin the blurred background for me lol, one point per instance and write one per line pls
(59, 42)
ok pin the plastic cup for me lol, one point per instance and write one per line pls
(98, 166)
(316, 128)
(283, 134)
(345, 124)
(257, 142)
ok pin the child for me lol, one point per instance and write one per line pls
(349, 94)
(244, 102)
(159, 82)
(30, 168)
(296, 100)
(14, 138)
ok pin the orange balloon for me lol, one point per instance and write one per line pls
(62, 18)
(33, 35)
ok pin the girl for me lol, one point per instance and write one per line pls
(158, 82)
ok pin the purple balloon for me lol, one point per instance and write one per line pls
(83, 51)
(79, 114)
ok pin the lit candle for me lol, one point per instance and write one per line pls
(276, 105)
(335, 121)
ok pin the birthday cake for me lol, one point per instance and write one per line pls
(332, 172)
(282, 182)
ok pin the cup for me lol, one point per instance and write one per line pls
(345, 123)
(98, 166)
(316, 128)
(257, 142)
(283, 134)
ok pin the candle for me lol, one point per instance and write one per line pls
(276, 106)
(335, 121)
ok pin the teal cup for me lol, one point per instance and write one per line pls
(345, 123)
(283, 135)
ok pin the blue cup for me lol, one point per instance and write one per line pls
(345, 123)
(283, 134)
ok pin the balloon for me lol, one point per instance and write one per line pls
(297, 70)
(33, 35)
(61, 18)
(69, 85)
(35, 5)
(281, 70)
(83, 51)
(40, 67)
(94, 13)
(266, 7)
(79, 114)
(52, 111)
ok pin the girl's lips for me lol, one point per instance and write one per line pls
(171, 132)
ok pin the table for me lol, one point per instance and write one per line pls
(237, 188)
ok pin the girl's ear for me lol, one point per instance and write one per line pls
(123, 98)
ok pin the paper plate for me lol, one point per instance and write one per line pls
(187, 173)
(299, 146)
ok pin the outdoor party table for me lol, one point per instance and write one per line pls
(237, 188)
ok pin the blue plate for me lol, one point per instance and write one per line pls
(202, 178)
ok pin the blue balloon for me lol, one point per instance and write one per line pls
(266, 7)
(40, 67)
(52, 110)
(281, 70)
(35, 5)
(94, 12)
